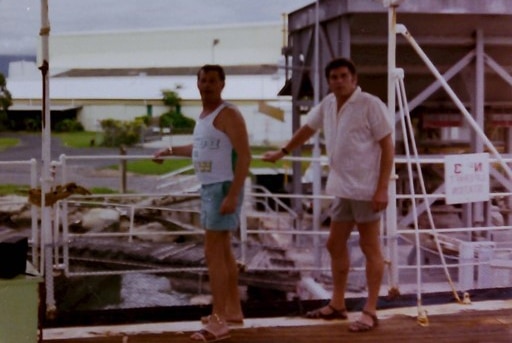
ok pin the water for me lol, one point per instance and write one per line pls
(147, 290)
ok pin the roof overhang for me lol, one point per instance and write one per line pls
(55, 108)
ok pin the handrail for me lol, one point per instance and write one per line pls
(256, 195)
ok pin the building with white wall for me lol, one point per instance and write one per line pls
(121, 75)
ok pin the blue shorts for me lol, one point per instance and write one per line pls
(350, 210)
(212, 196)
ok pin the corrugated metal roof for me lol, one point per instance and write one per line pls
(170, 71)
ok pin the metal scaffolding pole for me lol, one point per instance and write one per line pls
(391, 215)
(46, 179)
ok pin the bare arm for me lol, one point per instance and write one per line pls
(231, 122)
(181, 150)
(298, 138)
(380, 198)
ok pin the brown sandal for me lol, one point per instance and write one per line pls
(359, 326)
(216, 330)
(334, 314)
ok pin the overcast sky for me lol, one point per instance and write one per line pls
(20, 20)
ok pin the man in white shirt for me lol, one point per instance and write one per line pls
(360, 149)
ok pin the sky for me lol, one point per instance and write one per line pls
(20, 20)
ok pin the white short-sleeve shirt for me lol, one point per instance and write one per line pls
(352, 137)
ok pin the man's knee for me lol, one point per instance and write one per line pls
(372, 254)
(339, 256)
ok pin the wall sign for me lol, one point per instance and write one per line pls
(466, 178)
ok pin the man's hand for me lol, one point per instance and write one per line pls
(380, 200)
(228, 205)
(272, 156)
(157, 156)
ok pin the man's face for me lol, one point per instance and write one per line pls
(341, 82)
(209, 84)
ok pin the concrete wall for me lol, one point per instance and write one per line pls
(182, 47)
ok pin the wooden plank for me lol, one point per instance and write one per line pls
(492, 326)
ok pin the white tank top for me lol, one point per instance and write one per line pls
(212, 154)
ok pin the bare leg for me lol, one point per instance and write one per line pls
(370, 245)
(233, 305)
(214, 248)
(217, 270)
(223, 274)
(340, 263)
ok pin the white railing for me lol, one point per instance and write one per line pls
(463, 253)
(33, 181)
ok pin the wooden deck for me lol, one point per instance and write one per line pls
(482, 322)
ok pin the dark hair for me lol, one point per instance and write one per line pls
(338, 63)
(213, 67)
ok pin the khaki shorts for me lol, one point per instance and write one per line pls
(212, 196)
(350, 210)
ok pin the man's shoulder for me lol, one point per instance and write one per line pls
(230, 108)
(228, 104)
(229, 114)
(368, 97)
(328, 99)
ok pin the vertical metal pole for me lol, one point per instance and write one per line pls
(296, 80)
(317, 187)
(34, 214)
(346, 49)
(478, 112)
(466, 267)
(123, 167)
(479, 91)
(46, 225)
(391, 216)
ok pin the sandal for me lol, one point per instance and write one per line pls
(359, 326)
(334, 314)
(204, 335)
(215, 330)
(234, 322)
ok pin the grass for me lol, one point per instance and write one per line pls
(83, 139)
(9, 189)
(102, 190)
(22, 190)
(7, 142)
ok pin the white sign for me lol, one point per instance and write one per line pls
(466, 178)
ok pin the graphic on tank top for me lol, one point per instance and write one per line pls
(212, 151)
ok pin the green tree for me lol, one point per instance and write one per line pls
(119, 132)
(5, 102)
(174, 118)
(172, 99)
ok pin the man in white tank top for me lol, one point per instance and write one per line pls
(221, 157)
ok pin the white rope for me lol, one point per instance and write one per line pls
(409, 131)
